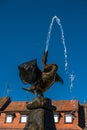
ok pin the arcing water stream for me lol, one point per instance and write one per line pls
(70, 75)
(63, 39)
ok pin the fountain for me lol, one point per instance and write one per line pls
(41, 110)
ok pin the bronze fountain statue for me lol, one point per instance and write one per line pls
(40, 108)
(40, 80)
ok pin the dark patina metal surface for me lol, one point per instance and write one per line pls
(41, 115)
(40, 80)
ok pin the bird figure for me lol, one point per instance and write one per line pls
(40, 80)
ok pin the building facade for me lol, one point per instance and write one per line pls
(69, 115)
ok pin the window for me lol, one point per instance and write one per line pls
(68, 118)
(9, 118)
(56, 118)
(23, 119)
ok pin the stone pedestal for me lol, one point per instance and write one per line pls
(41, 115)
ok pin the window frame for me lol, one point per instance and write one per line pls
(57, 115)
(70, 116)
(21, 116)
(56, 118)
(8, 116)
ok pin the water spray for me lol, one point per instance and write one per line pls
(70, 75)
(62, 37)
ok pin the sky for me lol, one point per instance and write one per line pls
(24, 27)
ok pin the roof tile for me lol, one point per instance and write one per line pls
(61, 105)
(16, 106)
(66, 105)
(3, 102)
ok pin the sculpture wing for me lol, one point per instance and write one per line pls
(29, 72)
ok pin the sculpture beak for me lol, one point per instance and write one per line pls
(59, 79)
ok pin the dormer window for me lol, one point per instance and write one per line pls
(68, 118)
(9, 118)
(23, 119)
(56, 117)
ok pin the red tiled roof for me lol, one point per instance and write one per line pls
(3, 102)
(66, 105)
(16, 106)
(61, 105)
